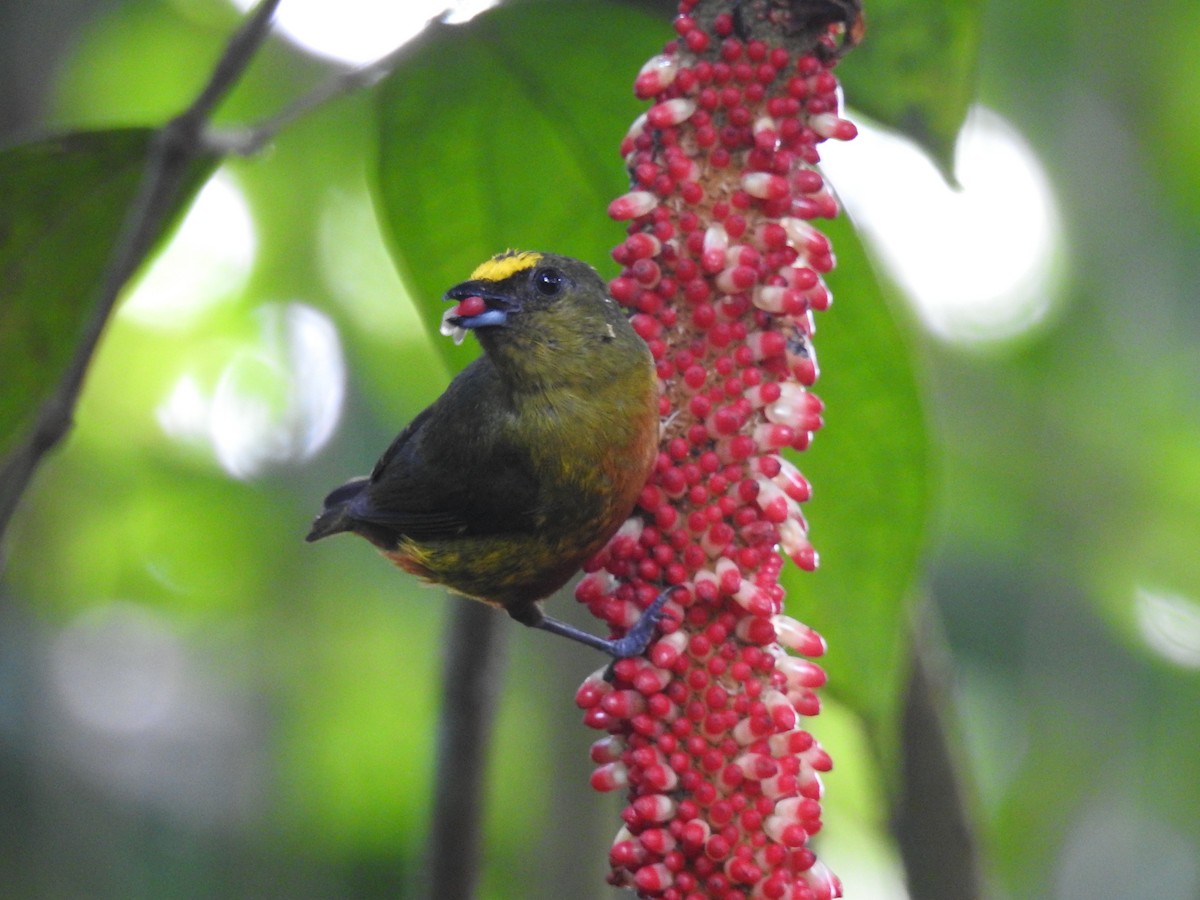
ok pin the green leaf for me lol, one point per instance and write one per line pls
(915, 70)
(869, 471)
(504, 133)
(525, 155)
(65, 200)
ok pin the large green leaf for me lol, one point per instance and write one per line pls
(65, 200)
(513, 143)
(915, 71)
(504, 133)
(869, 471)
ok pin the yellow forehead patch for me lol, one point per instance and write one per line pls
(505, 264)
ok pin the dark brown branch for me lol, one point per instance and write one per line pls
(471, 676)
(247, 141)
(176, 146)
(931, 818)
(233, 62)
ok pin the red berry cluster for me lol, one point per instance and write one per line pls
(722, 270)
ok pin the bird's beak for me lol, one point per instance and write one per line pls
(496, 308)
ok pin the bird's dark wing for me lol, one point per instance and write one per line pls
(397, 445)
(447, 476)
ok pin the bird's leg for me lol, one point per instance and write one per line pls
(634, 642)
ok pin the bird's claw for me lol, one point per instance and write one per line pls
(637, 639)
(634, 643)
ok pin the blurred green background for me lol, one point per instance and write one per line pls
(194, 703)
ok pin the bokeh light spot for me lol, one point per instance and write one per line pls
(117, 669)
(208, 260)
(1170, 625)
(1115, 848)
(276, 400)
(980, 262)
(361, 31)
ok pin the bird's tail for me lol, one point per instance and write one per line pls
(336, 517)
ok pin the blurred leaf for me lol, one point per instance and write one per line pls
(138, 64)
(916, 70)
(524, 156)
(869, 471)
(65, 200)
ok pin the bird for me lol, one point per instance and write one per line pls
(533, 456)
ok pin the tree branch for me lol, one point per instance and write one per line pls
(471, 676)
(176, 146)
(931, 818)
(249, 140)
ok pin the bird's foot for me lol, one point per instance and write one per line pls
(634, 642)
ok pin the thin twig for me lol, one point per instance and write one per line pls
(234, 61)
(247, 141)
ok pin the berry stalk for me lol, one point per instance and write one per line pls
(723, 269)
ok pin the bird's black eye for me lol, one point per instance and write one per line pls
(549, 282)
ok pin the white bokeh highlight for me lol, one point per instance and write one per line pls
(277, 399)
(981, 262)
(138, 715)
(358, 32)
(1170, 625)
(206, 262)
(117, 669)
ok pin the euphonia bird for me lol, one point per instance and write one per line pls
(533, 456)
